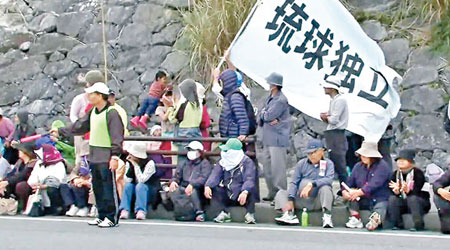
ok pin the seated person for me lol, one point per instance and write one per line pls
(369, 188)
(233, 182)
(310, 186)
(15, 184)
(190, 177)
(5, 167)
(142, 180)
(75, 193)
(442, 200)
(47, 177)
(407, 195)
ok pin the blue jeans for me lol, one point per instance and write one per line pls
(148, 106)
(142, 192)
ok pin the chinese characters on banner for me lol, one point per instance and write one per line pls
(307, 41)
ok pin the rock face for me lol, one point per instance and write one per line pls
(40, 63)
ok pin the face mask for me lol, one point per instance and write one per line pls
(193, 155)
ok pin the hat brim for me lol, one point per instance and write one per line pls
(92, 89)
(368, 153)
(224, 147)
(329, 86)
(273, 83)
(398, 158)
(140, 155)
(308, 151)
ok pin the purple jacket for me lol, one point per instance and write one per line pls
(236, 180)
(374, 181)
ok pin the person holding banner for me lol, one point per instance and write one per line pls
(275, 120)
(337, 120)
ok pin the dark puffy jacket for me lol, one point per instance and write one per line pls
(236, 180)
(192, 172)
(233, 119)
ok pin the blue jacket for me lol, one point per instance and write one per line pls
(276, 107)
(236, 180)
(233, 119)
(373, 181)
(305, 170)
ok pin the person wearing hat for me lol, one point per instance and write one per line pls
(369, 187)
(407, 195)
(233, 182)
(105, 147)
(141, 181)
(276, 123)
(7, 130)
(190, 178)
(337, 120)
(15, 183)
(122, 111)
(442, 200)
(23, 129)
(150, 103)
(310, 187)
(78, 110)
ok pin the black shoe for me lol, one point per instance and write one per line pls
(267, 199)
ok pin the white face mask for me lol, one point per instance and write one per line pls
(193, 155)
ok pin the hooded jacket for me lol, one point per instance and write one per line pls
(23, 129)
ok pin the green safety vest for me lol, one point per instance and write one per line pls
(99, 136)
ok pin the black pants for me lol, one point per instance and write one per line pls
(105, 191)
(413, 204)
(222, 201)
(55, 201)
(444, 213)
(74, 195)
(337, 144)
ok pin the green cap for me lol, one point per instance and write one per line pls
(57, 124)
(232, 144)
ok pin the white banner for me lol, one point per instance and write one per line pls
(307, 40)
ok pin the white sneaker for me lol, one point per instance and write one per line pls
(326, 221)
(94, 222)
(83, 212)
(106, 223)
(94, 212)
(223, 217)
(72, 211)
(250, 218)
(288, 218)
(354, 223)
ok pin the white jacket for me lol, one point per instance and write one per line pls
(41, 172)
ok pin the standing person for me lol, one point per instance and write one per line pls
(442, 200)
(148, 107)
(337, 120)
(275, 120)
(7, 130)
(407, 195)
(310, 186)
(368, 187)
(122, 111)
(105, 146)
(233, 182)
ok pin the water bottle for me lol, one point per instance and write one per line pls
(305, 218)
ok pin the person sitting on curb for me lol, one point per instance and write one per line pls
(442, 200)
(369, 189)
(142, 181)
(407, 195)
(310, 186)
(190, 177)
(233, 182)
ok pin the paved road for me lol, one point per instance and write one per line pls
(58, 233)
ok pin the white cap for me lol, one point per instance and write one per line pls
(332, 82)
(98, 87)
(195, 145)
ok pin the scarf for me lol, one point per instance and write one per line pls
(231, 159)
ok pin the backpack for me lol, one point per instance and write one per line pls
(183, 208)
(8, 206)
(433, 172)
(250, 112)
(446, 121)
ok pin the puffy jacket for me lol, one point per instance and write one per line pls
(192, 172)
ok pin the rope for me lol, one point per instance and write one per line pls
(104, 42)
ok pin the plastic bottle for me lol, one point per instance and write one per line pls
(305, 218)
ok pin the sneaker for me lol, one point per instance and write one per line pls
(124, 215)
(106, 223)
(72, 211)
(326, 221)
(94, 222)
(94, 212)
(140, 215)
(200, 217)
(288, 218)
(374, 221)
(353, 222)
(223, 217)
(83, 212)
(250, 218)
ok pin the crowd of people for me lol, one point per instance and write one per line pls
(87, 168)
